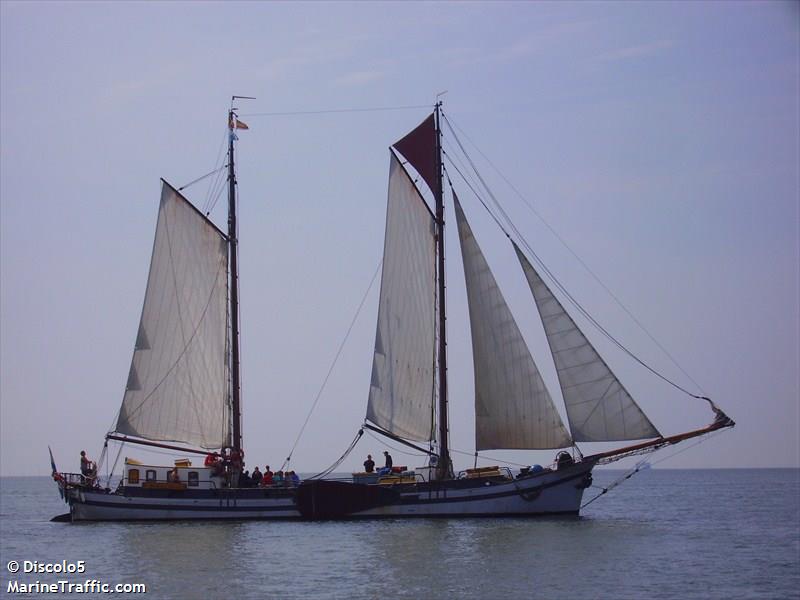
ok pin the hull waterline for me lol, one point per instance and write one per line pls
(549, 493)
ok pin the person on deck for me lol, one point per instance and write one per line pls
(256, 477)
(369, 464)
(236, 467)
(173, 476)
(267, 478)
(88, 468)
(387, 467)
(225, 461)
(294, 478)
(278, 479)
(86, 464)
(217, 467)
(244, 479)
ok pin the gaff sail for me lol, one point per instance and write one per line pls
(178, 384)
(401, 387)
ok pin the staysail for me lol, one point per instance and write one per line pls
(401, 389)
(599, 408)
(178, 382)
(513, 408)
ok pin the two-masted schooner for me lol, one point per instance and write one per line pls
(184, 380)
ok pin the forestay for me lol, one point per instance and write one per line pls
(178, 383)
(599, 408)
(401, 389)
(513, 408)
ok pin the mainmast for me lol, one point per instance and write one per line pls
(236, 382)
(444, 468)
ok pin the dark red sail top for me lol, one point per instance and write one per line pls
(419, 148)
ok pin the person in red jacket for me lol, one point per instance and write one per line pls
(266, 478)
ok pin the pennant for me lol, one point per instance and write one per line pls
(235, 123)
(52, 461)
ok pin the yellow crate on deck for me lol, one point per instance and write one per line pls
(485, 472)
(396, 479)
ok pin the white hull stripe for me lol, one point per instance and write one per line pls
(466, 497)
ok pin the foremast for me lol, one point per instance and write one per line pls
(236, 381)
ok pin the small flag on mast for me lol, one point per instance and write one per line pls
(237, 124)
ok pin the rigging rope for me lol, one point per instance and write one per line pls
(487, 458)
(101, 461)
(333, 364)
(477, 195)
(180, 189)
(643, 464)
(394, 448)
(216, 181)
(552, 277)
(212, 201)
(697, 443)
(105, 446)
(576, 256)
(116, 460)
(339, 461)
(336, 110)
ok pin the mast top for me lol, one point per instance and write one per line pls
(234, 98)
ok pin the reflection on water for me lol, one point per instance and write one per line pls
(688, 534)
(177, 556)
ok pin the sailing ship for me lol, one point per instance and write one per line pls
(184, 382)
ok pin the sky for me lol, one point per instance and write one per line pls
(658, 140)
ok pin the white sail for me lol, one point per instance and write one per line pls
(178, 383)
(599, 408)
(513, 408)
(401, 390)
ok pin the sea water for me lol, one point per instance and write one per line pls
(662, 534)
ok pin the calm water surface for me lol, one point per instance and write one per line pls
(662, 534)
